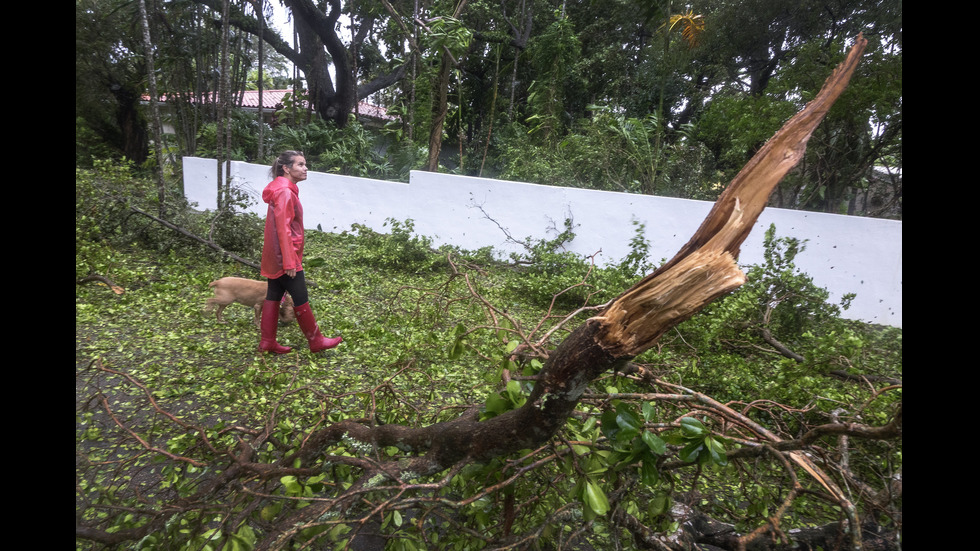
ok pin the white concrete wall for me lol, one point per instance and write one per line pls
(844, 254)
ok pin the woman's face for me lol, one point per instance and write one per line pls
(295, 172)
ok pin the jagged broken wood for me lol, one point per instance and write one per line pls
(703, 270)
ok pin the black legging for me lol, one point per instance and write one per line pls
(296, 286)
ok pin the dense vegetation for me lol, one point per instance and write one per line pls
(642, 96)
(166, 397)
(764, 422)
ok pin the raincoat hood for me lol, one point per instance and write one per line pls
(276, 186)
(282, 248)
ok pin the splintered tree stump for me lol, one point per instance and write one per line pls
(703, 270)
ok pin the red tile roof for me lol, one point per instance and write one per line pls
(272, 99)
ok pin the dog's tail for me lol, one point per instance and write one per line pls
(209, 304)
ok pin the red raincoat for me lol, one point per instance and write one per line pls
(283, 246)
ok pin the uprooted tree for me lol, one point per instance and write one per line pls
(414, 484)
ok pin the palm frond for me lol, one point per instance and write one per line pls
(693, 25)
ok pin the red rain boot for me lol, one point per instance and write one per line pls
(306, 321)
(269, 327)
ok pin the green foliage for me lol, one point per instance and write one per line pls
(736, 339)
(400, 249)
(511, 397)
(698, 445)
(545, 270)
(351, 150)
(623, 426)
(862, 130)
(546, 274)
(675, 120)
(419, 345)
(634, 138)
(779, 298)
(103, 219)
(88, 145)
(295, 109)
(636, 262)
(735, 126)
(519, 158)
(614, 152)
(244, 130)
(419, 349)
(553, 54)
(447, 33)
(113, 202)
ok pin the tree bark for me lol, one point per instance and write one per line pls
(439, 111)
(132, 125)
(441, 106)
(260, 16)
(319, 47)
(154, 109)
(703, 270)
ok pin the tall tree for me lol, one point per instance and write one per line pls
(110, 75)
(768, 51)
(223, 134)
(154, 109)
(259, 7)
(320, 47)
(520, 25)
(450, 40)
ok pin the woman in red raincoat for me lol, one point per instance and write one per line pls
(282, 255)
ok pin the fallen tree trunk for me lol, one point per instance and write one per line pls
(206, 242)
(702, 271)
(699, 531)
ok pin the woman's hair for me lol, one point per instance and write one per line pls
(285, 159)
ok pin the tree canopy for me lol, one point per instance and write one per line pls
(649, 96)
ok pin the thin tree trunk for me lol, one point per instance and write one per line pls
(154, 109)
(416, 59)
(260, 4)
(441, 108)
(522, 33)
(222, 123)
(412, 36)
(228, 85)
(493, 109)
(658, 137)
(439, 111)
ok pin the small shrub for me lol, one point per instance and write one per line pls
(400, 249)
(545, 269)
(110, 197)
(778, 307)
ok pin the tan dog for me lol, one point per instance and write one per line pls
(248, 292)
